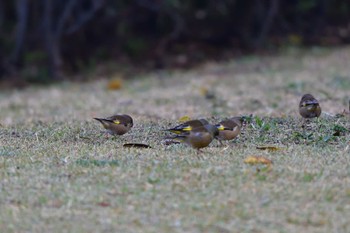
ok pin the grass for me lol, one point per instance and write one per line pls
(60, 173)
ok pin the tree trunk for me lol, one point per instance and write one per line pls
(51, 43)
(21, 28)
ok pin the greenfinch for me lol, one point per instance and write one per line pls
(117, 124)
(229, 129)
(198, 137)
(188, 126)
(309, 107)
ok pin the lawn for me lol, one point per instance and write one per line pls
(59, 171)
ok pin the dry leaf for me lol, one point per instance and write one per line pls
(115, 84)
(203, 90)
(103, 204)
(269, 148)
(184, 118)
(137, 145)
(295, 39)
(55, 203)
(257, 160)
(207, 93)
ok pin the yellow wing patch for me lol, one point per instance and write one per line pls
(176, 131)
(184, 118)
(116, 122)
(221, 127)
(187, 128)
(311, 107)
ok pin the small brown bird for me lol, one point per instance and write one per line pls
(188, 126)
(198, 137)
(117, 124)
(309, 107)
(229, 129)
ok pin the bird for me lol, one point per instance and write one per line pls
(198, 137)
(229, 129)
(188, 126)
(309, 107)
(117, 124)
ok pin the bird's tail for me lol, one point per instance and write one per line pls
(178, 138)
(103, 120)
(99, 119)
(173, 130)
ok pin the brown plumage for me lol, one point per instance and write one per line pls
(117, 124)
(229, 129)
(309, 107)
(198, 137)
(188, 126)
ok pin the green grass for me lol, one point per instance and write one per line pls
(60, 173)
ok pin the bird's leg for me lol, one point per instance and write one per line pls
(303, 123)
(198, 153)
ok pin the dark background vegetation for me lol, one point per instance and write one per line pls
(46, 40)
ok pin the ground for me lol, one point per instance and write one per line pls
(59, 172)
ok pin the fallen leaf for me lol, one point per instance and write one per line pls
(203, 90)
(103, 204)
(184, 118)
(295, 39)
(253, 159)
(55, 203)
(115, 84)
(207, 93)
(269, 148)
(137, 145)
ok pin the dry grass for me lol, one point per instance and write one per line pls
(59, 173)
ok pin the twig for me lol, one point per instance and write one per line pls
(65, 15)
(266, 25)
(86, 16)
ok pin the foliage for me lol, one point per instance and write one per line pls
(73, 33)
